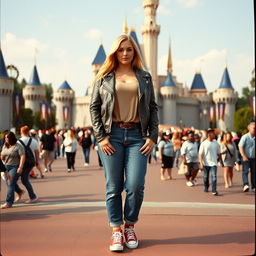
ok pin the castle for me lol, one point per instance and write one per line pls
(178, 105)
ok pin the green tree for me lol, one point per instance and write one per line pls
(44, 124)
(244, 101)
(18, 86)
(241, 118)
(24, 118)
(48, 93)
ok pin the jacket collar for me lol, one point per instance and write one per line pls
(142, 77)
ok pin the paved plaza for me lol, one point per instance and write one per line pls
(70, 218)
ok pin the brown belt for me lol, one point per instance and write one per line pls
(128, 125)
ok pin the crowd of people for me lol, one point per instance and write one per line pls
(204, 151)
(191, 151)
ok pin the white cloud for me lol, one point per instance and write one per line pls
(188, 3)
(212, 66)
(54, 64)
(94, 33)
(22, 48)
(163, 10)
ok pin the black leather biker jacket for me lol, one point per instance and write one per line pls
(102, 105)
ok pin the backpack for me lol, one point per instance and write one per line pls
(30, 159)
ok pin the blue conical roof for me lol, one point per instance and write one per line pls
(198, 82)
(34, 79)
(225, 81)
(135, 38)
(169, 80)
(100, 56)
(65, 86)
(3, 72)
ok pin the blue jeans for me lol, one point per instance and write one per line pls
(12, 186)
(25, 181)
(124, 169)
(245, 171)
(86, 152)
(213, 171)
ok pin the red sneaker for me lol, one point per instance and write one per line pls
(131, 240)
(117, 241)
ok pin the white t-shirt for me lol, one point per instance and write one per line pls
(34, 145)
(190, 150)
(209, 150)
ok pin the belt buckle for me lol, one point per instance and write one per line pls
(126, 125)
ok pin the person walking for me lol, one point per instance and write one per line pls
(176, 141)
(209, 154)
(86, 142)
(31, 160)
(47, 149)
(124, 119)
(236, 139)
(13, 157)
(247, 150)
(70, 144)
(166, 155)
(229, 157)
(189, 152)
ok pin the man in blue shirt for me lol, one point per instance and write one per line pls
(247, 150)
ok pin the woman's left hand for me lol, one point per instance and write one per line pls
(147, 148)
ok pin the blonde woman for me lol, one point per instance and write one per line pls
(229, 157)
(70, 144)
(124, 118)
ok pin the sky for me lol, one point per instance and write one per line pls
(64, 36)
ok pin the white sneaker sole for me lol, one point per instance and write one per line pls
(132, 246)
(116, 248)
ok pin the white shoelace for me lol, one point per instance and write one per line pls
(130, 234)
(117, 236)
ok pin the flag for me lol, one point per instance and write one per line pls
(17, 101)
(252, 103)
(43, 111)
(65, 113)
(211, 111)
(221, 110)
(49, 110)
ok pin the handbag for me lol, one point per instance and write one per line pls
(229, 151)
(183, 169)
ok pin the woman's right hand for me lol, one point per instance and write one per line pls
(106, 146)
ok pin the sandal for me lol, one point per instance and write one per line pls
(6, 205)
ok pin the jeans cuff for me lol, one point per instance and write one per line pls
(112, 224)
(130, 222)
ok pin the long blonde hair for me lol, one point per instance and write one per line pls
(111, 61)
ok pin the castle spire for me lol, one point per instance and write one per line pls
(125, 27)
(169, 63)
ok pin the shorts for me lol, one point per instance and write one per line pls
(192, 167)
(167, 162)
(47, 155)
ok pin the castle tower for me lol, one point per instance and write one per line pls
(63, 98)
(227, 95)
(33, 92)
(169, 93)
(6, 91)
(150, 31)
(98, 60)
(198, 90)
